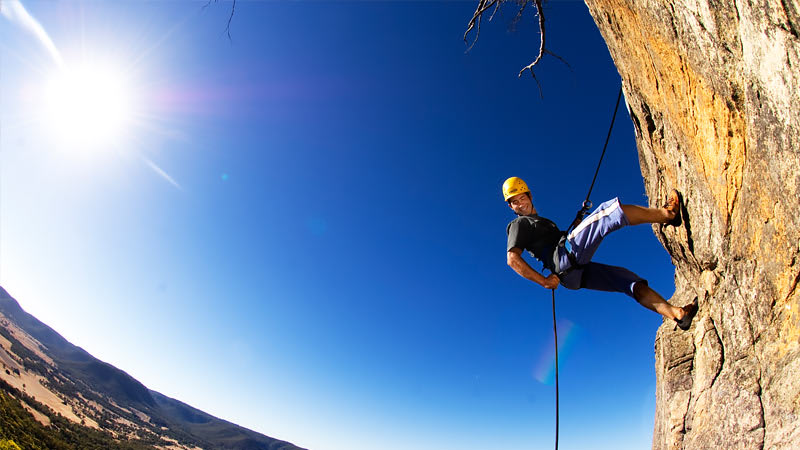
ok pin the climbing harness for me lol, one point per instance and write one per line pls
(587, 204)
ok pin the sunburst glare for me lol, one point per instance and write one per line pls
(88, 106)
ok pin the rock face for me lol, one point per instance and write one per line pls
(713, 89)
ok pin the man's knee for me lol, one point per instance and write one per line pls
(640, 288)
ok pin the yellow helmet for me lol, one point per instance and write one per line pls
(514, 186)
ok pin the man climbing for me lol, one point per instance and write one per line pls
(569, 257)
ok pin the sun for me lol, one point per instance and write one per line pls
(88, 106)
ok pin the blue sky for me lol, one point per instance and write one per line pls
(301, 229)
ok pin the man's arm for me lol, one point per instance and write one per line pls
(516, 262)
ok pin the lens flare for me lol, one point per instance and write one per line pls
(545, 369)
(15, 12)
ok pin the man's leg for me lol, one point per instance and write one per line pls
(639, 214)
(611, 216)
(602, 277)
(650, 299)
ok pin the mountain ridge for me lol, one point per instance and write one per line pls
(43, 366)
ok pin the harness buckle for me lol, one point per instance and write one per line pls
(573, 261)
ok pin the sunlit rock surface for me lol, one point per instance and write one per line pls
(713, 89)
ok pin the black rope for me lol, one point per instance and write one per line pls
(555, 338)
(605, 146)
(587, 203)
(578, 218)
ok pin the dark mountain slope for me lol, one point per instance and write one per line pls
(67, 381)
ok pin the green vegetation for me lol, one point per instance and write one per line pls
(30, 360)
(8, 444)
(19, 430)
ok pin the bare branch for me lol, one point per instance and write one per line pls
(484, 5)
(559, 58)
(541, 94)
(518, 17)
(477, 17)
(542, 36)
(230, 17)
(496, 8)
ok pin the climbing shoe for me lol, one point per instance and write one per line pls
(674, 204)
(691, 311)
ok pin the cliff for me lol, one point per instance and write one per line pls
(712, 88)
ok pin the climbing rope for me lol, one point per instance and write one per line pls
(587, 203)
(555, 338)
(578, 218)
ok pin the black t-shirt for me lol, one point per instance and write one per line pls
(537, 235)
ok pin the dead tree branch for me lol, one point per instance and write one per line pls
(477, 17)
(542, 39)
(230, 17)
(484, 5)
(518, 17)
